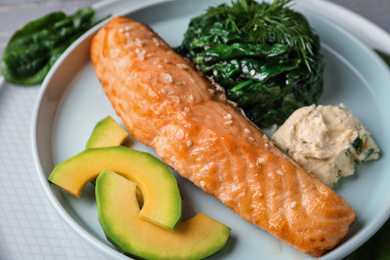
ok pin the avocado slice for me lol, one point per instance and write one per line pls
(107, 132)
(196, 238)
(162, 201)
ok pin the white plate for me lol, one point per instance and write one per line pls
(71, 101)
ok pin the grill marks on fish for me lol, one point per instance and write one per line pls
(207, 140)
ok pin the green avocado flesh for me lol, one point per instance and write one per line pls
(107, 132)
(162, 201)
(118, 210)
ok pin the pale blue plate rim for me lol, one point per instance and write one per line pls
(372, 61)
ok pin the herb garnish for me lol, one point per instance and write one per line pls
(265, 55)
(358, 144)
(260, 23)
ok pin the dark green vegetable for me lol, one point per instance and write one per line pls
(33, 50)
(384, 56)
(266, 56)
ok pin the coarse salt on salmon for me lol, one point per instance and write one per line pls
(166, 104)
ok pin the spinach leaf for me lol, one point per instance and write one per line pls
(33, 50)
(265, 55)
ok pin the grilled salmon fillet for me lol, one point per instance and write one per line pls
(166, 104)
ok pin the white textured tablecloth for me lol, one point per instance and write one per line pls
(30, 228)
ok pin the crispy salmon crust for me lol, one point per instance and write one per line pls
(166, 104)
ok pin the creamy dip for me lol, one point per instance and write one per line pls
(326, 141)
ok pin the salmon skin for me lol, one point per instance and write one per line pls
(166, 104)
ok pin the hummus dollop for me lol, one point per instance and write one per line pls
(326, 141)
